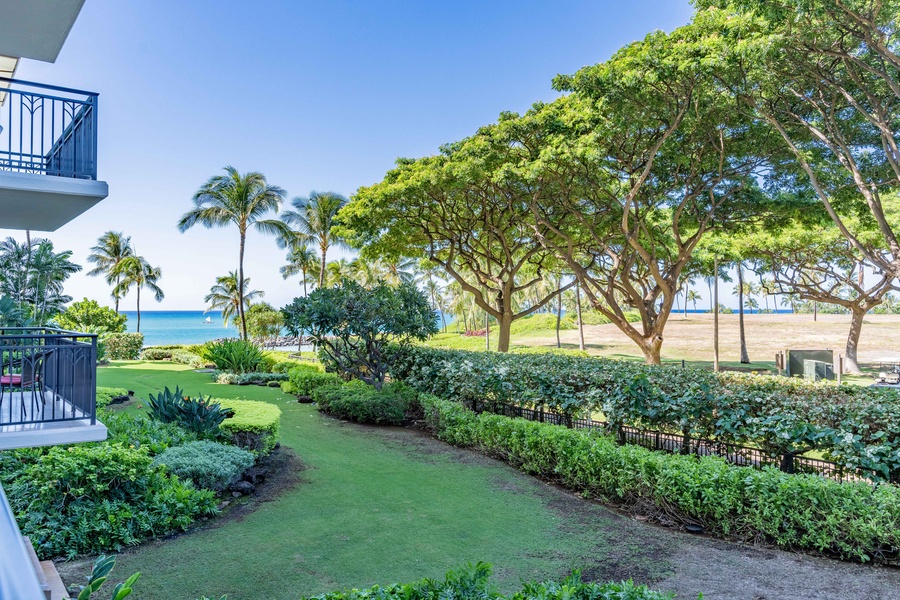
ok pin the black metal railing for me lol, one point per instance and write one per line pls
(48, 130)
(744, 456)
(47, 375)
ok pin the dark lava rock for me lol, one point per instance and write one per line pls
(244, 488)
(255, 475)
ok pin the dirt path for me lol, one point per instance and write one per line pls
(671, 560)
(691, 337)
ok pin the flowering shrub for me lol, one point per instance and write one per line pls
(124, 346)
(858, 427)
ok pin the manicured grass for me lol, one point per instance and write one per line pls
(376, 506)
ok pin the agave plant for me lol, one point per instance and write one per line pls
(201, 416)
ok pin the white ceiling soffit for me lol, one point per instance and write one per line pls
(36, 29)
(7, 69)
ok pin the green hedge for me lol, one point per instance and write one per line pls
(858, 427)
(106, 394)
(124, 346)
(359, 402)
(305, 379)
(473, 583)
(95, 498)
(254, 425)
(851, 520)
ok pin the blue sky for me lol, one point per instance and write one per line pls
(316, 95)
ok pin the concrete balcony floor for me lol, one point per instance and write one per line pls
(49, 430)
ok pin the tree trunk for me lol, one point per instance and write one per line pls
(652, 349)
(138, 308)
(558, 317)
(745, 358)
(815, 311)
(850, 356)
(241, 288)
(304, 283)
(505, 323)
(685, 304)
(324, 249)
(580, 322)
(715, 311)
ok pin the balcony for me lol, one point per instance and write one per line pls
(48, 392)
(48, 155)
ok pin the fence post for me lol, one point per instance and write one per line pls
(541, 414)
(787, 462)
(840, 367)
(620, 434)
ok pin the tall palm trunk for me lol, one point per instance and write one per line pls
(116, 296)
(304, 282)
(241, 287)
(139, 308)
(324, 249)
(745, 358)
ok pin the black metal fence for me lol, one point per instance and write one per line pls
(48, 130)
(744, 456)
(47, 375)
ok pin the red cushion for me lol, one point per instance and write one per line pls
(11, 380)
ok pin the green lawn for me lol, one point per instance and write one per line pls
(376, 506)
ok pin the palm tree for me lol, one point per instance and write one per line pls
(313, 218)
(47, 273)
(693, 296)
(111, 248)
(240, 200)
(225, 296)
(135, 271)
(301, 260)
(337, 270)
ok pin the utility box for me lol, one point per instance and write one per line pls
(794, 360)
(817, 370)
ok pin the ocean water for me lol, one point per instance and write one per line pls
(163, 327)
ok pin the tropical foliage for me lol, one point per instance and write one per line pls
(353, 325)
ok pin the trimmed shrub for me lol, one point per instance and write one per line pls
(306, 379)
(187, 358)
(850, 520)
(253, 425)
(857, 427)
(362, 403)
(288, 388)
(106, 394)
(473, 582)
(209, 465)
(235, 356)
(156, 353)
(251, 378)
(124, 346)
(95, 498)
(285, 366)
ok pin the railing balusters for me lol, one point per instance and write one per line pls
(68, 151)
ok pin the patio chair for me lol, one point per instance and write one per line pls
(29, 375)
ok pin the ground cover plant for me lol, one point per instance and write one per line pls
(858, 427)
(94, 498)
(473, 582)
(207, 464)
(850, 520)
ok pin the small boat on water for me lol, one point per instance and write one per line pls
(208, 321)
